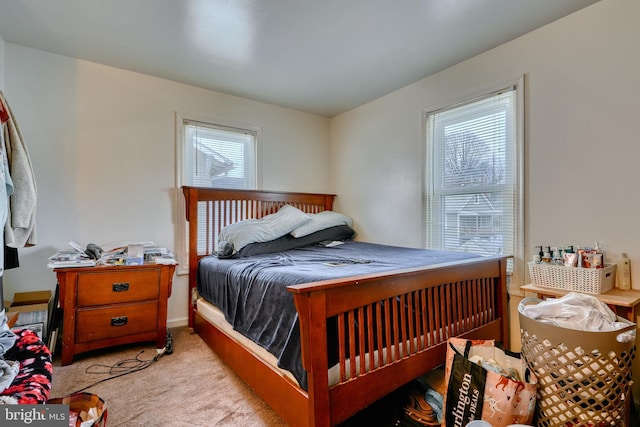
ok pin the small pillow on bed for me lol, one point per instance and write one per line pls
(288, 242)
(265, 229)
(320, 221)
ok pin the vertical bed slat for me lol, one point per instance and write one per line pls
(494, 297)
(379, 323)
(342, 353)
(464, 303)
(396, 331)
(352, 344)
(223, 216)
(447, 312)
(431, 326)
(411, 322)
(489, 300)
(472, 297)
(370, 336)
(361, 340)
(425, 325)
(437, 309)
(387, 326)
(486, 299)
(464, 306)
(403, 326)
(419, 334)
(237, 210)
(455, 312)
(207, 215)
(477, 306)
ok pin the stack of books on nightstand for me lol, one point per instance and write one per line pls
(70, 258)
(158, 254)
(136, 254)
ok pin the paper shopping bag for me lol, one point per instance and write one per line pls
(485, 382)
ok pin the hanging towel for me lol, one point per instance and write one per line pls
(20, 227)
(6, 189)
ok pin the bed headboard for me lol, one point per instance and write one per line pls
(208, 210)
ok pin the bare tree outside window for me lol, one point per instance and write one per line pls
(471, 161)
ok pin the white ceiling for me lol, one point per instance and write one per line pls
(320, 56)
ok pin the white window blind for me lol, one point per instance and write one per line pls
(472, 179)
(218, 156)
(212, 155)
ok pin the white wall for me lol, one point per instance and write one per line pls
(101, 141)
(581, 135)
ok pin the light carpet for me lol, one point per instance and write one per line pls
(190, 387)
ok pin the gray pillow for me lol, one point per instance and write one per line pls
(265, 229)
(320, 221)
(288, 242)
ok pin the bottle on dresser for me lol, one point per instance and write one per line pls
(624, 272)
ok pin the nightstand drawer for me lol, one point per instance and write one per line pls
(126, 319)
(112, 287)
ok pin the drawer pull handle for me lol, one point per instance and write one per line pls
(119, 321)
(120, 287)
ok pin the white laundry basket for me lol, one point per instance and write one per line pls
(584, 377)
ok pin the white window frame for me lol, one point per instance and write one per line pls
(182, 244)
(516, 267)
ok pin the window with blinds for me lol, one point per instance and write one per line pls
(473, 183)
(218, 156)
(212, 155)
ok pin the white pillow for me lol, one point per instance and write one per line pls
(321, 221)
(265, 229)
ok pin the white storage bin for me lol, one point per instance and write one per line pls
(588, 280)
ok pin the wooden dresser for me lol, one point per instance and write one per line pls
(112, 305)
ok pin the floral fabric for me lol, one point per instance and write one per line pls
(32, 385)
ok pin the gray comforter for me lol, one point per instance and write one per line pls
(252, 292)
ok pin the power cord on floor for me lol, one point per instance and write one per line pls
(126, 366)
(169, 344)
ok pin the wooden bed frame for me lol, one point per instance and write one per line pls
(465, 299)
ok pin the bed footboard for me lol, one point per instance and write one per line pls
(393, 327)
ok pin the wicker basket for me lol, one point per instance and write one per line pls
(584, 378)
(84, 409)
(588, 280)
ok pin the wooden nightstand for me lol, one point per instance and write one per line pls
(112, 305)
